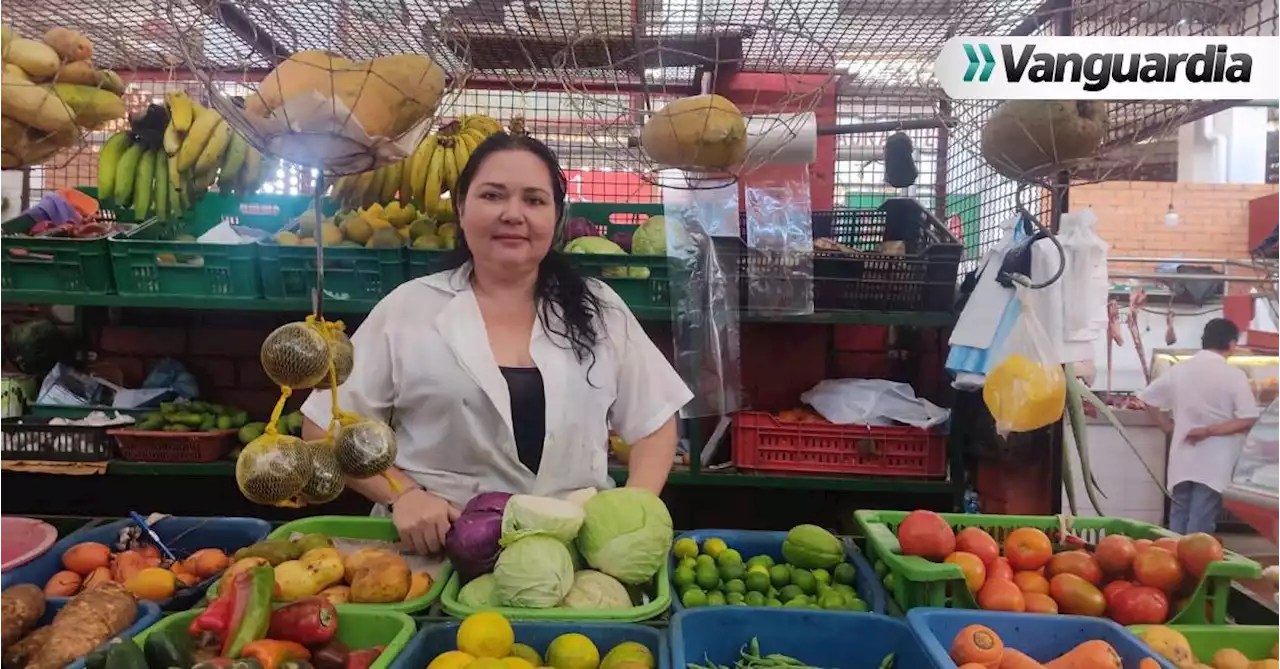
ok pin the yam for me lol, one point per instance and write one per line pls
(37, 59)
(70, 44)
(32, 105)
(21, 653)
(86, 622)
(699, 132)
(25, 146)
(1033, 137)
(20, 609)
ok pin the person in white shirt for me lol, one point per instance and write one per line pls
(1207, 407)
(507, 372)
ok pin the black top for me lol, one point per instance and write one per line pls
(528, 413)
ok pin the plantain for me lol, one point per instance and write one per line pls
(363, 182)
(391, 184)
(450, 171)
(202, 128)
(460, 155)
(143, 184)
(161, 191)
(372, 194)
(175, 185)
(219, 139)
(433, 182)
(252, 168)
(109, 162)
(172, 139)
(237, 151)
(181, 111)
(418, 166)
(126, 170)
(472, 137)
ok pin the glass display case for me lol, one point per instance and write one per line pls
(1262, 369)
(1251, 497)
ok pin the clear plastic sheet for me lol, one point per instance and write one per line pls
(703, 248)
(780, 235)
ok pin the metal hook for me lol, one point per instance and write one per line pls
(1041, 231)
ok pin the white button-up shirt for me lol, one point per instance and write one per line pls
(423, 364)
(1200, 391)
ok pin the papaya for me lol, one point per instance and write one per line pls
(811, 547)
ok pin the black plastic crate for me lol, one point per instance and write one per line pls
(36, 439)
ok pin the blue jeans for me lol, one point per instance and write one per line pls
(1195, 508)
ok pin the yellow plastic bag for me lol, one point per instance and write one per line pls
(1027, 389)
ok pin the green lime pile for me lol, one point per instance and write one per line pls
(717, 575)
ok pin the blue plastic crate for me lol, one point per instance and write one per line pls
(432, 640)
(148, 614)
(1039, 636)
(831, 639)
(183, 535)
(751, 543)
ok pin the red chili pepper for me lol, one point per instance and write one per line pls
(271, 653)
(364, 658)
(311, 622)
(216, 619)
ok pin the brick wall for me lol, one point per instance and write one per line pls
(1214, 218)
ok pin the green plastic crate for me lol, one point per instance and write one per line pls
(357, 629)
(920, 582)
(425, 263)
(654, 608)
(56, 265)
(1255, 641)
(361, 527)
(641, 281)
(355, 274)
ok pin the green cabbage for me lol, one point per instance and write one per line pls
(626, 534)
(650, 239)
(594, 245)
(594, 590)
(478, 594)
(535, 572)
(527, 515)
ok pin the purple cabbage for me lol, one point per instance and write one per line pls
(579, 227)
(622, 237)
(472, 540)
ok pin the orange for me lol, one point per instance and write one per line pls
(975, 573)
(152, 583)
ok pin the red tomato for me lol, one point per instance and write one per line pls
(1076, 562)
(1143, 543)
(1039, 603)
(975, 573)
(1077, 596)
(1114, 588)
(1157, 568)
(1027, 548)
(1115, 554)
(1197, 551)
(1168, 543)
(976, 540)
(926, 534)
(1029, 582)
(1140, 605)
(1000, 569)
(1001, 595)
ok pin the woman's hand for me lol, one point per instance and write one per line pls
(422, 519)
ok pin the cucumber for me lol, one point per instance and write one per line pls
(125, 655)
(169, 648)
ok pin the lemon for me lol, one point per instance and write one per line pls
(714, 546)
(516, 663)
(573, 651)
(525, 652)
(454, 659)
(486, 634)
(628, 651)
(486, 663)
(686, 548)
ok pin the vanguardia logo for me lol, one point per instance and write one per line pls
(1096, 71)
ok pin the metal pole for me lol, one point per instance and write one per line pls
(317, 297)
(1153, 276)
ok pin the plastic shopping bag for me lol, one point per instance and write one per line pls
(1026, 390)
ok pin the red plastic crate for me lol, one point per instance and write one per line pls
(761, 442)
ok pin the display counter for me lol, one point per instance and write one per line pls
(1251, 497)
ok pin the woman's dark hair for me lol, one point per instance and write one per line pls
(560, 289)
(1219, 334)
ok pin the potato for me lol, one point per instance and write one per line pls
(296, 581)
(37, 59)
(381, 580)
(337, 594)
(326, 564)
(32, 105)
(21, 653)
(20, 609)
(25, 146)
(71, 45)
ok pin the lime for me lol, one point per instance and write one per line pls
(688, 562)
(822, 575)
(797, 603)
(773, 602)
(846, 590)
(824, 589)
(856, 604)
(790, 592)
(728, 557)
(881, 568)
(844, 573)
(735, 585)
(831, 600)
(773, 592)
(889, 581)
(735, 598)
(754, 599)
(714, 546)
(805, 580)
(715, 598)
(705, 559)
(629, 652)
(486, 634)
(454, 659)
(730, 572)
(707, 577)
(693, 597)
(683, 578)
(758, 569)
(762, 560)
(573, 651)
(514, 662)
(685, 548)
(779, 575)
(758, 582)
(526, 653)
